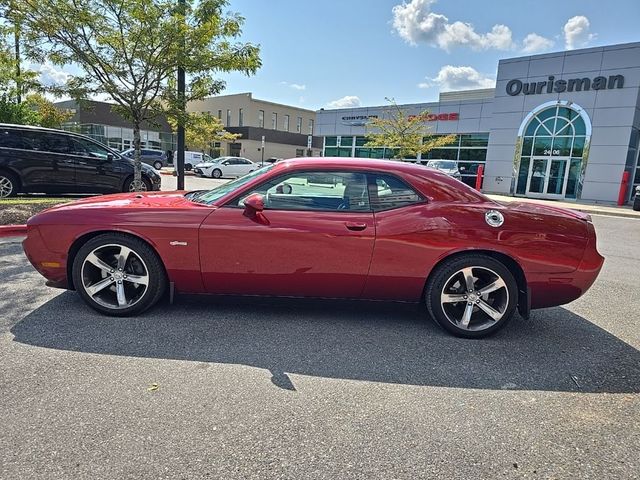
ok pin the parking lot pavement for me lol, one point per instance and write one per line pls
(260, 389)
(191, 182)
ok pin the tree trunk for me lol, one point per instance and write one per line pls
(137, 157)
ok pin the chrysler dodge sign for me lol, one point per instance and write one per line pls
(551, 85)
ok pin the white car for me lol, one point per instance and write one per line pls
(450, 167)
(225, 167)
(191, 159)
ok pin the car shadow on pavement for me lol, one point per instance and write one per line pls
(393, 343)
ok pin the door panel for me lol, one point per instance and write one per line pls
(291, 253)
(95, 172)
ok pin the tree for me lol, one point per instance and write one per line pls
(202, 130)
(130, 51)
(406, 135)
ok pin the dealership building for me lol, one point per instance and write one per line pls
(559, 126)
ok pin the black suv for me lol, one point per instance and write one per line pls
(156, 158)
(42, 160)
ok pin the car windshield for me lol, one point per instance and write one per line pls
(442, 164)
(210, 196)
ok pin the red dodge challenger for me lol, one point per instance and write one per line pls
(322, 227)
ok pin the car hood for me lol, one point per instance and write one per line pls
(140, 200)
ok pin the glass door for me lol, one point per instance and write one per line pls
(548, 177)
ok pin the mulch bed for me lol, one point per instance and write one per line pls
(18, 213)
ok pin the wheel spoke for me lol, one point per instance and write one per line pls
(139, 279)
(99, 286)
(466, 318)
(468, 278)
(122, 258)
(489, 310)
(94, 260)
(492, 287)
(122, 299)
(452, 297)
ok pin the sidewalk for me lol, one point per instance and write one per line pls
(592, 208)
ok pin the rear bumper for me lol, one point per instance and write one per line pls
(550, 290)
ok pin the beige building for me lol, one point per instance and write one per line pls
(287, 131)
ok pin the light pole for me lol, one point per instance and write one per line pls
(182, 107)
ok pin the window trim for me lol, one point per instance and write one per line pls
(368, 173)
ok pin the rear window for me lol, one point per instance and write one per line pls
(391, 192)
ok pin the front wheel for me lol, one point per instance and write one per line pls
(216, 173)
(145, 186)
(472, 296)
(636, 202)
(157, 165)
(118, 275)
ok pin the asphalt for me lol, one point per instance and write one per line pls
(256, 389)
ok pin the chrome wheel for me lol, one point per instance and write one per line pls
(6, 186)
(143, 186)
(474, 298)
(114, 276)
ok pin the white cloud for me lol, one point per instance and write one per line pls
(576, 32)
(458, 78)
(51, 75)
(416, 23)
(534, 43)
(347, 101)
(295, 86)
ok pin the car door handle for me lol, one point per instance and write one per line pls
(356, 226)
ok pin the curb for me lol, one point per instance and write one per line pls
(12, 230)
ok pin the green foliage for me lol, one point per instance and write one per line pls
(130, 50)
(408, 135)
(202, 130)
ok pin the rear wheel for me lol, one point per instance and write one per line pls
(472, 296)
(157, 165)
(118, 275)
(636, 202)
(216, 173)
(8, 185)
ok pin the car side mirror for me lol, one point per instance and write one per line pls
(109, 157)
(253, 204)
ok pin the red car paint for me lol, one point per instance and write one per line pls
(383, 255)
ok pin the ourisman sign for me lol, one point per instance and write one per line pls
(516, 87)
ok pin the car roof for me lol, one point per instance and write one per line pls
(391, 166)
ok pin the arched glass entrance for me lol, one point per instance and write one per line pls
(554, 142)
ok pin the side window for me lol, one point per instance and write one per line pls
(86, 148)
(390, 192)
(339, 191)
(10, 138)
(52, 142)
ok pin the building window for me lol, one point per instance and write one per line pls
(274, 121)
(228, 118)
(219, 114)
(310, 126)
(553, 147)
(299, 125)
(261, 118)
(286, 123)
(240, 118)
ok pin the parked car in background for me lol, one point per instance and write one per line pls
(450, 167)
(382, 230)
(636, 200)
(191, 159)
(272, 160)
(226, 167)
(156, 158)
(43, 160)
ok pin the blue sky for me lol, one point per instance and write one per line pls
(328, 53)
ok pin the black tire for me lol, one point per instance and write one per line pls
(127, 185)
(445, 275)
(157, 279)
(188, 167)
(157, 165)
(636, 202)
(9, 185)
(216, 173)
